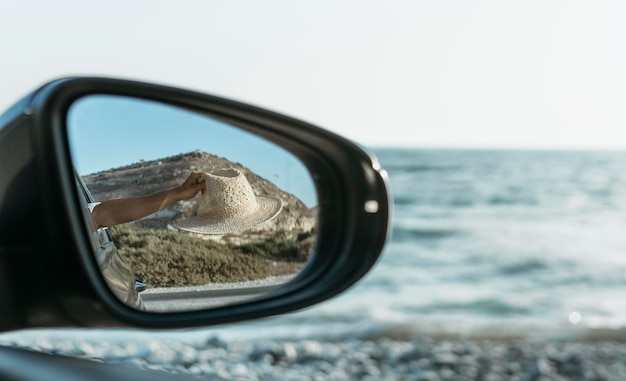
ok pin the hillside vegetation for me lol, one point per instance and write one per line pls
(169, 259)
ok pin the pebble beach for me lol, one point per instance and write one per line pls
(419, 358)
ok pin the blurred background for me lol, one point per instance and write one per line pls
(501, 125)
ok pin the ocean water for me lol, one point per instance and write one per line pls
(487, 243)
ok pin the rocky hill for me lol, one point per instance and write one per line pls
(152, 176)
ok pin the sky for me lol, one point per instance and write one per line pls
(458, 73)
(152, 130)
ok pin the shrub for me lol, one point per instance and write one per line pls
(169, 259)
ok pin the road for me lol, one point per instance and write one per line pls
(209, 296)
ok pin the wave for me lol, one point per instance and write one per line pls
(404, 200)
(493, 332)
(523, 267)
(430, 233)
(486, 307)
(506, 200)
(403, 168)
(463, 199)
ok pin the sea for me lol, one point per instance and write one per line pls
(488, 243)
(484, 243)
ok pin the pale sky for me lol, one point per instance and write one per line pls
(384, 73)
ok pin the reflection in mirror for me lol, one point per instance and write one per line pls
(188, 212)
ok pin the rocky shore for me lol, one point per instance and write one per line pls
(420, 358)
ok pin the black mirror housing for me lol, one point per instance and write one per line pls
(48, 276)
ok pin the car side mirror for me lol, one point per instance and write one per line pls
(125, 203)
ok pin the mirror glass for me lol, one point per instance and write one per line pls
(188, 212)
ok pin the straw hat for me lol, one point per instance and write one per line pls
(229, 205)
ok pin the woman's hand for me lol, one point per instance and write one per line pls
(195, 183)
(122, 210)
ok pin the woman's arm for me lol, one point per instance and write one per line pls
(121, 210)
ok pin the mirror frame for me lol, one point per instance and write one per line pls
(353, 192)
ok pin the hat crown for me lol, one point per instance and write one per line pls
(228, 194)
(229, 205)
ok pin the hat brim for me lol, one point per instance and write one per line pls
(268, 208)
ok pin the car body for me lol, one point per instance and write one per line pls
(116, 270)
